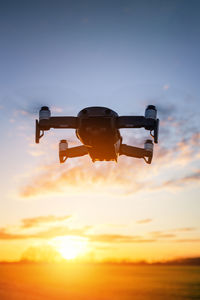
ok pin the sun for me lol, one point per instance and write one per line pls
(70, 247)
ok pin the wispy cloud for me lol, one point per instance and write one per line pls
(161, 234)
(36, 153)
(54, 232)
(115, 178)
(179, 146)
(166, 87)
(118, 238)
(66, 231)
(45, 234)
(4, 235)
(166, 111)
(32, 228)
(33, 222)
(188, 240)
(180, 182)
(173, 234)
(82, 177)
(42, 227)
(184, 229)
(144, 221)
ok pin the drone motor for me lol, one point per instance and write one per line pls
(44, 113)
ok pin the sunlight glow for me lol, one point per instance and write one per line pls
(70, 247)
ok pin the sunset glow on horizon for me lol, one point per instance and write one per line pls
(70, 247)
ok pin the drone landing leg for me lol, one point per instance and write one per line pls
(72, 152)
(76, 151)
(136, 152)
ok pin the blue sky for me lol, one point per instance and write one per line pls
(120, 54)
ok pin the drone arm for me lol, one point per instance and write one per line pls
(135, 122)
(58, 122)
(139, 122)
(136, 152)
(54, 122)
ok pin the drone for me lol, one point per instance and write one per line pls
(98, 130)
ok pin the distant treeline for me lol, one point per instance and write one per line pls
(191, 261)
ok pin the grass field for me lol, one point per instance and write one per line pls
(98, 282)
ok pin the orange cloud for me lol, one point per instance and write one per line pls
(32, 222)
(184, 229)
(64, 231)
(188, 240)
(46, 234)
(25, 232)
(161, 234)
(144, 221)
(4, 235)
(118, 238)
(84, 176)
(174, 183)
(166, 87)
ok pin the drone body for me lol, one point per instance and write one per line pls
(98, 130)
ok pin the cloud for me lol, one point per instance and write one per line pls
(45, 234)
(96, 238)
(30, 229)
(65, 231)
(56, 109)
(4, 235)
(80, 176)
(188, 240)
(32, 222)
(180, 182)
(178, 156)
(166, 87)
(86, 177)
(36, 153)
(184, 229)
(83, 177)
(59, 231)
(118, 238)
(195, 176)
(162, 234)
(171, 233)
(144, 221)
(41, 227)
(177, 121)
(166, 111)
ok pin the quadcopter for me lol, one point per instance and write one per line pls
(98, 130)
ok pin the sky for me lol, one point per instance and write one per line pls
(123, 55)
